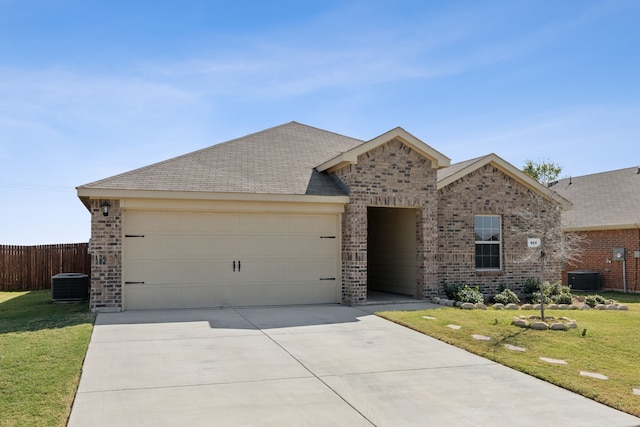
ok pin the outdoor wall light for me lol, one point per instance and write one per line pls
(105, 208)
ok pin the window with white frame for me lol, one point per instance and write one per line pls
(488, 242)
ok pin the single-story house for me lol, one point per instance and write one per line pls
(298, 215)
(606, 210)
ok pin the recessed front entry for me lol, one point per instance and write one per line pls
(391, 250)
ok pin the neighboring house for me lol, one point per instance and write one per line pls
(606, 209)
(299, 215)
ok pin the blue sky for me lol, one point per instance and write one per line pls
(89, 89)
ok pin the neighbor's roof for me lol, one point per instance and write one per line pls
(279, 160)
(607, 200)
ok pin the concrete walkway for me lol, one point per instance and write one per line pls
(323, 366)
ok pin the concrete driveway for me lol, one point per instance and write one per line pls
(323, 366)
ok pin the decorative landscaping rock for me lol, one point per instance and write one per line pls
(600, 307)
(481, 306)
(636, 391)
(536, 306)
(563, 306)
(449, 303)
(585, 307)
(552, 306)
(498, 306)
(573, 307)
(623, 307)
(513, 306)
(467, 306)
(443, 301)
(612, 307)
(534, 317)
(558, 327)
(459, 303)
(456, 327)
(517, 321)
(435, 300)
(539, 326)
(526, 307)
(581, 298)
(572, 324)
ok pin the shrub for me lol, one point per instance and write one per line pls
(531, 285)
(562, 298)
(469, 294)
(593, 300)
(451, 290)
(507, 296)
(535, 298)
(556, 289)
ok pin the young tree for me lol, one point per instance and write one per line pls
(543, 221)
(544, 172)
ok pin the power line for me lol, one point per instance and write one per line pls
(37, 187)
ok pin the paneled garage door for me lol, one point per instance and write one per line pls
(180, 260)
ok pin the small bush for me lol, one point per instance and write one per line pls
(451, 290)
(507, 296)
(557, 288)
(531, 285)
(469, 294)
(535, 298)
(593, 300)
(562, 298)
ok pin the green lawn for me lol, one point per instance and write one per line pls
(42, 347)
(610, 346)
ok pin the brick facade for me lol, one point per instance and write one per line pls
(487, 191)
(106, 257)
(598, 256)
(391, 175)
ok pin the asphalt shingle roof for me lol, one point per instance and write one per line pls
(279, 160)
(602, 200)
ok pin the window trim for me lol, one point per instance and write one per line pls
(488, 242)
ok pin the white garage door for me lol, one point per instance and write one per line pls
(180, 260)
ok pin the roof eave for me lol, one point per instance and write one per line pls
(86, 194)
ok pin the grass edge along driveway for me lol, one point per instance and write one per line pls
(42, 348)
(609, 347)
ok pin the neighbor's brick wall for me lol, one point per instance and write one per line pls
(598, 249)
(106, 257)
(391, 175)
(487, 191)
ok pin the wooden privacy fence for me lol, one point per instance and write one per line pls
(31, 267)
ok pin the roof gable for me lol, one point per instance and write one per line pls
(457, 171)
(438, 160)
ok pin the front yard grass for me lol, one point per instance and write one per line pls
(42, 347)
(610, 345)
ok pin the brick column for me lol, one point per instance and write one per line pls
(106, 257)
(354, 254)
